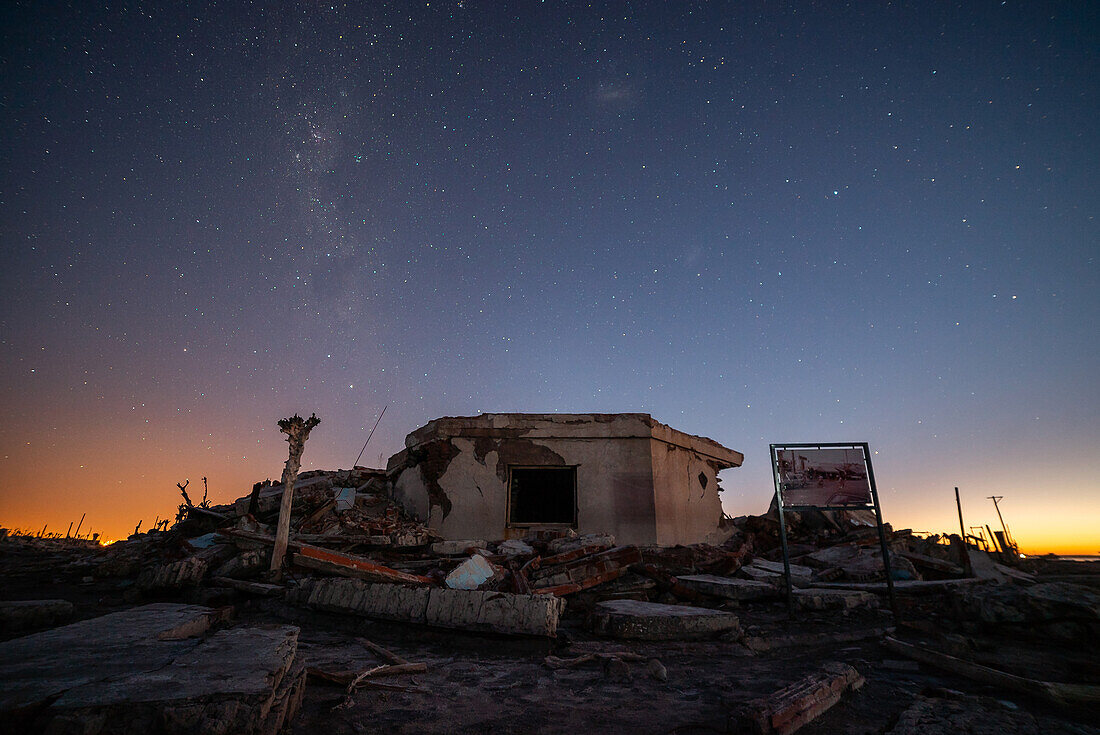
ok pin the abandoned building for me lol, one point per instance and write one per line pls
(503, 475)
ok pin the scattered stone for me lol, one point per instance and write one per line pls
(657, 670)
(654, 621)
(617, 670)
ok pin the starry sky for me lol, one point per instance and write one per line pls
(759, 222)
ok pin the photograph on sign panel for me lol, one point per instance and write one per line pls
(823, 477)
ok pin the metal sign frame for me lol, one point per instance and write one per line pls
(874, 505)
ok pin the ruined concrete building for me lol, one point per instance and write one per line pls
(498, 476)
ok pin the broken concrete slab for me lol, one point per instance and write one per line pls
(39, 667)
(174, 575)
(473, 573)
(930, 562)
(20, 615)
(494, 611)
(811, 598)
(730, 588)
(144, 670)
(227, 683)
(983, 566)
(572, 543)
(654, 621)
(499, 612)
(787, 710)
(905, 586)
(515, 547)
(461, 547)
(762, 570)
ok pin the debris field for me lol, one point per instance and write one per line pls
(373, 623)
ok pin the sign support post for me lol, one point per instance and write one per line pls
(818, 461)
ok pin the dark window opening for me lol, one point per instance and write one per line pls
(543, 496)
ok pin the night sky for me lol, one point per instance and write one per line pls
(759, 222)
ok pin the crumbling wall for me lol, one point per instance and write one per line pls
(461, 490)
(688, 509)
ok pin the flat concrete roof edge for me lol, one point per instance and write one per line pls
(571, 426)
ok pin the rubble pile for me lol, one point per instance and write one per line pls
(353, 551)
(344, 524)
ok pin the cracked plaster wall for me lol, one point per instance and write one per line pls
(688, 509)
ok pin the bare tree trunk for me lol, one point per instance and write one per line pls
(297, 431)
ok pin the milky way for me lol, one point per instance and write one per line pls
(758, 222)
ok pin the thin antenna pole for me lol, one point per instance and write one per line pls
(370, 435)
(1008, 537)
(962, 528)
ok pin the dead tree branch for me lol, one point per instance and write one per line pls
(297, 431)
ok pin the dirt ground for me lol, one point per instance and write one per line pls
(481, 684)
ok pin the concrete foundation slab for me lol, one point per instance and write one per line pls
(654, 621)
(143, 670)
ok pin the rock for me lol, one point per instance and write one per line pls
(656, 669)
(515, 547)
(730, 588)
(20, 615)
(144, 670)
(964, 714)
(654, 621)
(618, 670)
(1060, 610)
